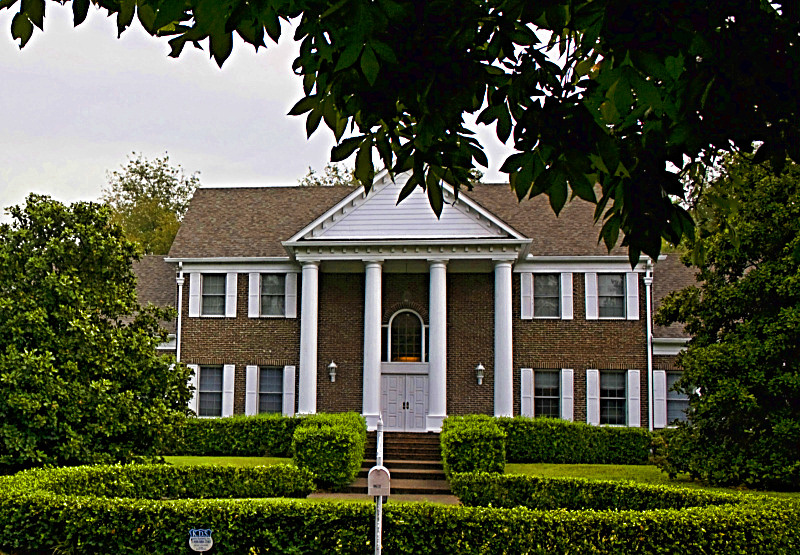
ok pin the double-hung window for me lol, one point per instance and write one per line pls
(212, 302)
(677, 402)
(613, 396)
(210, 391)
(546, 296)
(273, 294)
(270, 389)
(611, 295)
(546, 393)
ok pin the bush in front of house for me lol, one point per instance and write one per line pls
(331, 446)
(35, 519)
(242, 436)
(471, 444)
(550, 440)
(484, 489)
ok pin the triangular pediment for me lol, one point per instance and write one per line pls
(377, 216)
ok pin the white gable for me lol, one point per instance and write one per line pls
(378, 216)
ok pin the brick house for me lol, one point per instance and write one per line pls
(324, 299)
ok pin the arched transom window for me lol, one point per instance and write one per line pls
(405, 338)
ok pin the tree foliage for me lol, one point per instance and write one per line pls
(630, 95)
(149, 199)
(742, 367)
(332, 175)
(80, 380)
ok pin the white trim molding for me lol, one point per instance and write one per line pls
(669, 346)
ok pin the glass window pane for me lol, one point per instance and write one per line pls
(273, 305)
(546, 394)
(547, 408)
(610, 284)
(612, 411)
(213, 295)
(406, 338)
(546, 285)
(214, 306)
(270, 389)
(210, 391)
(213, 284)
(546, 295)
(273, 284)
(611, 307)
(546, 307)
(676, 410)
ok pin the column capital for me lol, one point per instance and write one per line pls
(502, 262)
(372, 262)
(438, 262)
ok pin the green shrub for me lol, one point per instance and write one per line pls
(331, 446)
(243, 436)
(549, 440)
(472, 443)
(33, 519)
(507, 490)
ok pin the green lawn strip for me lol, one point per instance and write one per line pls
(226, 461)
(645, 474)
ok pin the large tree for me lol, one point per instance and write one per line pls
(80, 379)
(628, 94)
(149, 199)
(742, 367)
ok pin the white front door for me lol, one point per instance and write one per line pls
(404, 402)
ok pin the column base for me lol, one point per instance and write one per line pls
(434, 422)
(372, 421)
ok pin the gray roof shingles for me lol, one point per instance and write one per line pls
(670, 275)
(155, 284)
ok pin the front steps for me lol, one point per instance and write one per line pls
(414, 462)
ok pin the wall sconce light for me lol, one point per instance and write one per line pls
(479, 370)
(332, 371)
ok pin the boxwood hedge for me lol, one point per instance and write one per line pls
(472, 443)
(243, 436)
(331, 446)
(34, 518)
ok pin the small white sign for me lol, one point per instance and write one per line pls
(200, 540)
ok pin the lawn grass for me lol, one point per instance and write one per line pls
(644, 474)
(227, 461)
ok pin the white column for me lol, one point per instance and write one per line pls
(372, 343)
(307, 401)
(503, 383)
(437, 355)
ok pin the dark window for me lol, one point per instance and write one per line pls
(612, 398)
(677, 403)
(406, 339)
(270, 389)
(213, 295)
(546, 295)
(273, 294)
(210, 391)
(611, 295)
(546, 394)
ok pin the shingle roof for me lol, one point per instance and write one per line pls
(670, 275)
(155, 284)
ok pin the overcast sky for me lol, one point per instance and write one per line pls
(74, 103)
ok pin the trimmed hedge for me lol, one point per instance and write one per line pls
(34, 519)
(484, 489)
(331, 446)
(550, 440)
(472, 443)
(243, 436)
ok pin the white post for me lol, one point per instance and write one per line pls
(179, 280)
(648, 284)
(372, 343)
(437, 355)
(503, 382)
(307, 401)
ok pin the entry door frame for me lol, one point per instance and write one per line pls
(404, 402)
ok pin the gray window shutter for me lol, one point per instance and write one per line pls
(254, 296)
(194, 295)
(566, 296)
(632, 292)
(593, 397)
(659, 398)
(228, 376)
(230, 295)
(591, 296)
(526, 391)
(567, 394)
(288, 390)
(526, 295)
(291, 295)
(251, 391)
(193, 381)
(634, 399)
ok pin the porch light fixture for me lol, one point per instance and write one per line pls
(479, 370)
(332, 371)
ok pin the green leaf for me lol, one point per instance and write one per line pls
(370, 65)
(125, 15)
(347, 147)
(349, 56)
(169, 11)
(80, 9)
(21, 28)
(364, 170)
(221, 46)
(413, 182)
(272, 24)
(35, 11)
(313, 119)
(304, 105)
(383, 51)
(558, 192)
(435, 197)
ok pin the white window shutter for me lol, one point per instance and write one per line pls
(230, 295)
(634, 399)
(593, 397)
(288, 390)
(566, 296)
(254, 296)
(526, 391)
(251, 391)
(659, 398)
(291, 295)
(194, 381)
(228, 376)
(194, 295)
(591, 296)
(526, 295)
(567, 394)
(632, 291)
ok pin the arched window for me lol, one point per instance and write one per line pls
(405, 338)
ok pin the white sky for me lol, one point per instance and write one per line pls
(75, 102)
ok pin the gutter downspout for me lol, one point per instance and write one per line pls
(179, 280)
(648, 283)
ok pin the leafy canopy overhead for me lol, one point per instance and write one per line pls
(641, 91)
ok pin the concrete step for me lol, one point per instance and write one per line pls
(409, 474)
(405, 487)
(433, 464)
